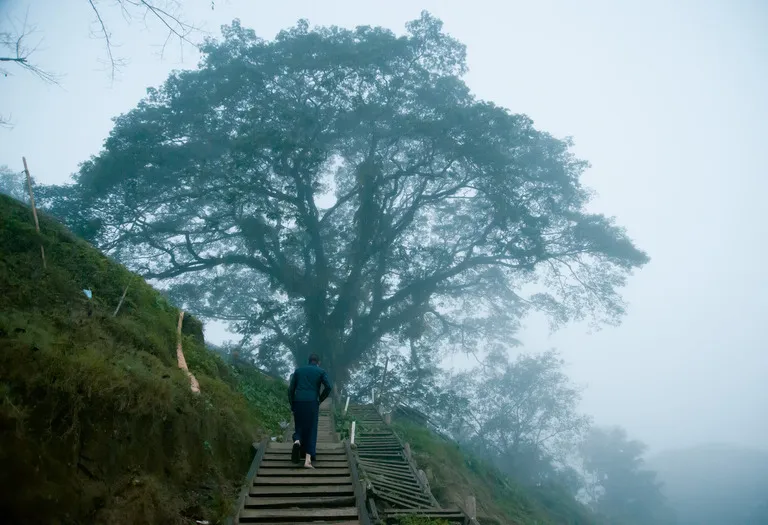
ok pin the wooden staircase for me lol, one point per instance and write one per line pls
(398, 487)
(284, 492)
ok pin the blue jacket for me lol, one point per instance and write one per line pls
(305, 384)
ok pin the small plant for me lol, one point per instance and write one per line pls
(421, 520)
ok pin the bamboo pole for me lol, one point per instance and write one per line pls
(34, 208)
(122, 298)
(180, 356)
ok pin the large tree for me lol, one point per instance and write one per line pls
(331, 187)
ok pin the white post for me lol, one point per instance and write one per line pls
(471, 507)
(352, 434)
(373, 396)
(346, 406)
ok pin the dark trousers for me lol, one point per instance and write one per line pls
(305, 415)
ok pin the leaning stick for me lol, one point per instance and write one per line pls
(34, 209)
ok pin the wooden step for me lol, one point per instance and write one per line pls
(321, 447)
(302, 480)
(284, 491)
(301, 471)
(286, 456)
(300, 501)
(319, 464)
(294, 515)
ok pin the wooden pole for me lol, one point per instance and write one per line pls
(122, 298)
(352, 434)
(346, 406)
(34, 208)
(180, 356)
(384, 378)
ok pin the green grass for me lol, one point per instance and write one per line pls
(455, 474)
(97, 423)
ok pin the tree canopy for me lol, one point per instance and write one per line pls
(342, 189)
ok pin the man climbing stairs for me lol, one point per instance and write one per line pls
(284, 492)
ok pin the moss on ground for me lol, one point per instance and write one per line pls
(97, 423)
(455, 474)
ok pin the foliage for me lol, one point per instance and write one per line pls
(620, 488)
(97, 423)
(420, 520)
(522, 414)
(268, 397)
(455, 472)
(342, 189)
(13, 184)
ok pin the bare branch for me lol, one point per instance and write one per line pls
(113, 64)
(15, 41)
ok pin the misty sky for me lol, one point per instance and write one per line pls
(668, 102)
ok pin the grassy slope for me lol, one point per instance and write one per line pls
(97, 424)
(454, 474)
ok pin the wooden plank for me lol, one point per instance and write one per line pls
(283, 456)
(389, 472)
(301, 471)
(277, 490)
(288, 464)
(405, 492)
(384, 461)
(313, 522)
(303, 480)
(430, 513)
(300, 501)
(396, 499)
(321, 454)
(321, 447)
(281, 514)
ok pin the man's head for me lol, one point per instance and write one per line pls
(314, 359)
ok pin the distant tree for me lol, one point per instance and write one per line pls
(524, 415)
(618, 487)
(13, 184)
(333, 189)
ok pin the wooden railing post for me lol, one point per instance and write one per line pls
(470, 507)
(352, 434)
(346, 406)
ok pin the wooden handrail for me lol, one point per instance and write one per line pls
(260, 449)
(361, 492)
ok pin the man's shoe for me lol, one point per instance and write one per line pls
(296, 452)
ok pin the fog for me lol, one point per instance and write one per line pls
(667, 102)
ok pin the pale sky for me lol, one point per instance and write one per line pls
(667, 100)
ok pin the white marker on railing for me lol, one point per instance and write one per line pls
(352, 434)
(346, 406)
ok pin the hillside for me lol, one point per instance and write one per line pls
(97, 423)
(455, 474)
